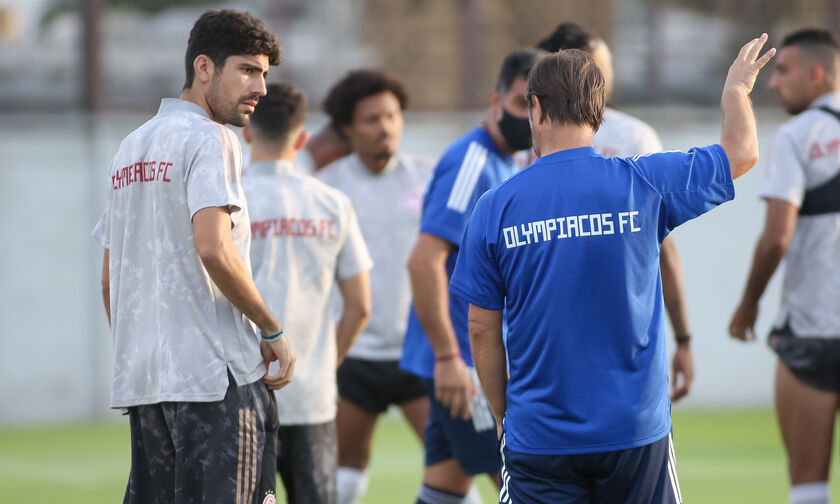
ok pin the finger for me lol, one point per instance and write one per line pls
(745, 50)
(766, 57)
(756, 47)
(679, 393)
(467, 414)
(455, 405)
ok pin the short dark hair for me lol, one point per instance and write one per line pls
(569, 35)
(810, 36)
(516, 64)
(278, 113)
(570, 88)
(341, 100)
(226, 32)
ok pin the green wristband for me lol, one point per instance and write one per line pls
(271, 338)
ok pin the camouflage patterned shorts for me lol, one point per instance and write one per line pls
(208, 452)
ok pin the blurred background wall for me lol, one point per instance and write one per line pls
(76, 76)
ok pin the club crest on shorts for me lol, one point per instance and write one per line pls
(269, 498)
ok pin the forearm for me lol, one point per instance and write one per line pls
(106, 284)
(489, 356)
(739, 135)
(355, 292)
(429, 285)
(672, 287)
(228, 271)
(768, 254)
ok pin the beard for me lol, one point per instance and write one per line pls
(225, 111)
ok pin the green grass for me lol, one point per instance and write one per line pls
(722, 457)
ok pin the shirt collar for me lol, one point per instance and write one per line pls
(568, 154)
(174, 105)
(830, 100)
(276, 167)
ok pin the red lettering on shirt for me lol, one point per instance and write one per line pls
(140, 171)
(293, 226)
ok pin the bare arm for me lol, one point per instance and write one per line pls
(739, 136)
(429, 285)
(489, 357)
(778, 231)
(224, 264)
(106, 284)
(355, 291)
(682, 364)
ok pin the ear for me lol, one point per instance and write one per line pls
(246, 133)
(301, 140)
(204, 68)
(817, 74)
(538, 116)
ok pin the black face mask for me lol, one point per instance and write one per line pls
(516, 131)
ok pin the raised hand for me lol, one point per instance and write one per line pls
(744, 69)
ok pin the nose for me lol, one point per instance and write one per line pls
(260, 86)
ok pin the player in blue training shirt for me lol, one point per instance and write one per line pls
(569, 247)
(460, 435)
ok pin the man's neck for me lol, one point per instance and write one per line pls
(191, 95)
(259, 154)
(374, 164)
(564, 137)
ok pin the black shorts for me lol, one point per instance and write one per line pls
(205, 452)
(814, 361)
(643, 475)
(307, 459)
(375, 385)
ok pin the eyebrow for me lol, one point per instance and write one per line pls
(251, 66)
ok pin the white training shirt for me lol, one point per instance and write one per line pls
(388, 205)
(805, 154)
(305, 237)
(175, 334)
(622, 135)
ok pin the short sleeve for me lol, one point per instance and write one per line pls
(102, 232)
(784, 177)
(457, 183)
(354, 257)
(213, 171)
(477, 278)
(690, 183)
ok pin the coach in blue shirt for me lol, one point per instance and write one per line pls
(570, 248)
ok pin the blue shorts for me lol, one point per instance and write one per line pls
(473, 443)
(643, 475)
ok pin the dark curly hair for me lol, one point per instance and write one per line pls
(568, 36)
(225, 32)
(280, 111)
(357, 85)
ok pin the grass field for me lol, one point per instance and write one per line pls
(722, 457)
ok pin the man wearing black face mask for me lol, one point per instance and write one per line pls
(460, 435)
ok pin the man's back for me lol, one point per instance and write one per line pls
(304, 237)
(175, 333)
(572, 244)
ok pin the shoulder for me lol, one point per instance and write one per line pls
(327, 196)
(331, 174)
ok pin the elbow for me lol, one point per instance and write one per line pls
(743, 161)
(775, 246)
(361, 310)
(416, 267)
(210, 254)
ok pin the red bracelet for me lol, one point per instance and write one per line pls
(444, 358)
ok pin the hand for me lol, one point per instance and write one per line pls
(281, 352)
(745, 68)
(743, 321)
(454, 387)
(682, 372)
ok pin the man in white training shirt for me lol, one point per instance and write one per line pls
(304, 241)
(622, 135)
(386, 188)
(802, 189)
(188, 364)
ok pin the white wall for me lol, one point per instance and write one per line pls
(55, 359)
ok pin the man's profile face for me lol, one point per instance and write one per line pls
(236, 87)
(515, 101)
(377, 126)
(791, 80)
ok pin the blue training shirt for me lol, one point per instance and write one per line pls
(570, 248)
(466, 170)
